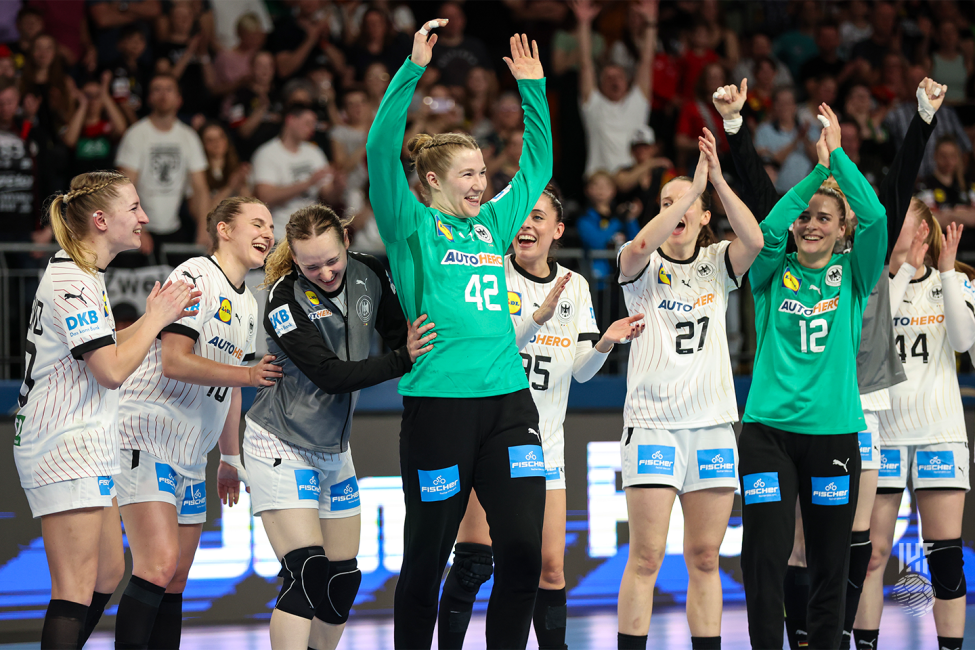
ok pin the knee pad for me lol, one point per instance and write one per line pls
(340, 591)
(305, 573)
(945, 562)
(473, 564)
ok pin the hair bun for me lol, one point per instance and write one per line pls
(418, 143)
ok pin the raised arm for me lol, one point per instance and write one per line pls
(743, 251)
(758, 191)
(897, 188)
(959, 316)
(644, 71)
(585, 12)
(635, 257)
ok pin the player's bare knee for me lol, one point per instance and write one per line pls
(646, 560)
(553, 576)
(702, 559)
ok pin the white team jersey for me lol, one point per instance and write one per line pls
(66, 426)
(679, 371)
(878, 400)
(927, 407)
(179, 422)
(549, 356)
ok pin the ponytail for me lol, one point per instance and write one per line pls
(70, 213)
(305, 223)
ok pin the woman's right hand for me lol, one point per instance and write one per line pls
(729, 100)
(700, 182)
(169, 303)
(416, 343)
(265, 372)
(423, 42)
(822, 151)
(709, 147)
(919, 247)
(949, 247)
(546, 310)
(833, 140)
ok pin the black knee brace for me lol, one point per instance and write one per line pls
(305, 573)
(945, 563)
(342, 586)
(473, 564)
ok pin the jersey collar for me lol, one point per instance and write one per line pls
(240, 289)
(534, 278)
(697, 249)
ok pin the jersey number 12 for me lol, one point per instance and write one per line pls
(810, 335)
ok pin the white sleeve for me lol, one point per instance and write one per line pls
(959, 316)
(81, 313)
(129, 152)
(588, 360)
(525, 329)
(898, 286)
(196, 158)
(264, 168)
(209, 305)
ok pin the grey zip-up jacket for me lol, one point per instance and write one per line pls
(325, 355)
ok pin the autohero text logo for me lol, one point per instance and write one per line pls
(470, 259)
(917, 321)
(226, 346)
(439, 484)
(677, 305)
(797, 308)
(551, 339)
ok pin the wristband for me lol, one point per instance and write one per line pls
(924, 107)
(732, 126)
(234, 461)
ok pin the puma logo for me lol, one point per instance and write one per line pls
(686, 283)
(191, 277)
(362, 282)
(77, 296)
(238, 317)
(815, 288)
(843, 465)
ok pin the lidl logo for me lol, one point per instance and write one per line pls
(444, 230)
(313, 298)
(514, 303)
(663, 277)
(225, 312)
(791, 282)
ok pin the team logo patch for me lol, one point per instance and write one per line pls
(443, 229)
(655, 459)
(483, 234)
(890, 463)
(344, 495)
(439, 484)
(716, 463)
(313, 298)
(830, 490)
(936, 464)
(791, 282)
(565, 310)
(761, 487)
(554, 474)
(363, 308)
(663, 277)
(834, 275)
(526, 460)
(705, 270)
(281, 320)
(936, 295)
(105, 485)
(866, 446)
(166, 478)
(194, 500)
(497, 197)
(308, 484)
(251, 324)
(225, 311)
(514, 303)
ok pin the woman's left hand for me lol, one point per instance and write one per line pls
(709, 147)
(949, 247)
(919, 247)
(524, 63)
(622, 331)
(416, 342)
(228, 484)
(832, 131)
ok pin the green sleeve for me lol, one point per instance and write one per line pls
(870, 239)
(509, 209)
(394, 205)
(775, 227)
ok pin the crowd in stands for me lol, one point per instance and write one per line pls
(198, 100)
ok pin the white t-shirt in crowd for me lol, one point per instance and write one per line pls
(164, 160)
(610, 126)
(275, 165)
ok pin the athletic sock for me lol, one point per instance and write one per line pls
(456, 605)
(866, 639)
(63, 624)
(137, 614)
(796, 605)
(169, 623)
(706, 643)
(949, 643)
(860, 550)
(95, 611)
(549, 618)
(631, 642)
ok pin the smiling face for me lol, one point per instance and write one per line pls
(250, 237)
(690, 225)
(536, 235)
(613, 83)
(322, 259)
(817, 230)
(459, 191)
(124, 220)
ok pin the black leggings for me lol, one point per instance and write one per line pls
(824, 471)
(448, 446)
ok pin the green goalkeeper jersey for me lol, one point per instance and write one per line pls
(808, 321)
(452, 269)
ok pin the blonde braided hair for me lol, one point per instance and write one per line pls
(70, 213)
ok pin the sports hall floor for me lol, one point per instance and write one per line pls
(595, 630)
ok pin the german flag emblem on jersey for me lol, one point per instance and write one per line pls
(791, 282)
(662, 276)
(444, 230)
(514, 303)
(312, 297)
(225, 312)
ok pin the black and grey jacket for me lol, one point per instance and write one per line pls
(325, 354)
